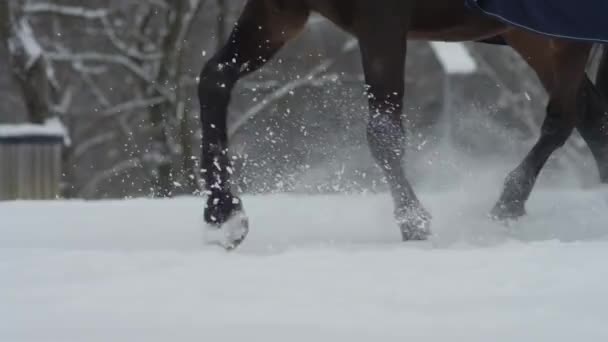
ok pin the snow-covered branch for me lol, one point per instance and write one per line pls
(124, 47)
(133, 105)
(71, 11)
(313, 77)
(86, 145)
(90, 188)
(122, 60)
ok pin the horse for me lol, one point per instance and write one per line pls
(383, 30)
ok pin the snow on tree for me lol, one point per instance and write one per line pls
(28, 63)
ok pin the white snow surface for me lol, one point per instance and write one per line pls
(315, 268)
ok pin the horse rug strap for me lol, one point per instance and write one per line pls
(585, 20)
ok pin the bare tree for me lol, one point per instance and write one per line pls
(28, 64)
(144, 43)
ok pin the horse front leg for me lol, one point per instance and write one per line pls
(383, 43)
(260, 32)
(593, 125)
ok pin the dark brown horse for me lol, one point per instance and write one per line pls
(382, 29)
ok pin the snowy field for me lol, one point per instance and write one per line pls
(326, 268)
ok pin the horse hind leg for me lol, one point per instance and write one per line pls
(262, 29)
(560, 65)
(593, 124)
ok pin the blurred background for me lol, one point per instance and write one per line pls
(121, 77)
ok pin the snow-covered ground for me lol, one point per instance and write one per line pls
(315, 268)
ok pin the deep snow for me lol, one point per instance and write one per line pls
(315, 268)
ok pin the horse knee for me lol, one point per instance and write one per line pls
(216, 81)
(557, 135)
(593, 120)
(558, 125)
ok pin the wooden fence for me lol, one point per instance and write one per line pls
(30, 162)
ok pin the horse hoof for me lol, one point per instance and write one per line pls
(506, 212)
(230, 234)
(415, 234)
(415, 225)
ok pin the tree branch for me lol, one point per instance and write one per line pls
(71, 11)
(310, 78)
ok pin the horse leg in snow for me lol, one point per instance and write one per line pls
(262, 29)
(560, 66)
(593, 125)
(602, 73)
(383, 43)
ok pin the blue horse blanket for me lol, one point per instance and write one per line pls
(585, 20)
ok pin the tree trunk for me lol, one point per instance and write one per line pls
(163, 116)
(4, 23)
(28, 65)
(191, 183)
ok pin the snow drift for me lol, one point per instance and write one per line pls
(315, 268)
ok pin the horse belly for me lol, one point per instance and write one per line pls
(451, 20)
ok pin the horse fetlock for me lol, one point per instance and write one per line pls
(518, 185)
(221, 206)
(414, 223)
(508, 210)
(599, 150)
(383, 130)
(603, 170)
